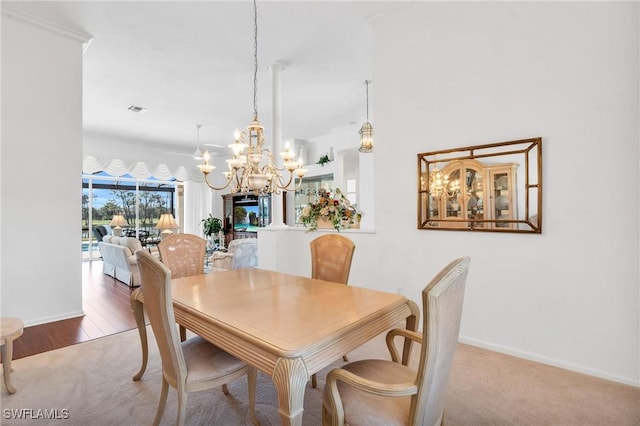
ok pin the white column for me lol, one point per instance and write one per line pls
(276, 137)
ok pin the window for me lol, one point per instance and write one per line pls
(141, 202)
(352, 192)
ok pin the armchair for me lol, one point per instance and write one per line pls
(241, 253)
(381, 392)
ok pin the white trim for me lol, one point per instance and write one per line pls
(47, 25)
(301, 228)
(138, 169)
(548, 361)
(131, 180)
(63, 316)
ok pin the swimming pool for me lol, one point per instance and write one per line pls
(85, 246)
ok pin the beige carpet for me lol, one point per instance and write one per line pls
(92, 381)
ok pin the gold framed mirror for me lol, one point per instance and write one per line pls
(490, 188)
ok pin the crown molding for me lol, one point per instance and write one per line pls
(48, 25)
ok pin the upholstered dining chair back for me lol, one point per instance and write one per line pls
(382, 392)
(183, 254)
(442, 301)
(331, 257)
(155, 282)
(190, 366)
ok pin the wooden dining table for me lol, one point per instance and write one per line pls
(287, 326)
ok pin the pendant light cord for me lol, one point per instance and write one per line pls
(366, 82)
(255, 59)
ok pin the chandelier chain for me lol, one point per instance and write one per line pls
(247, 172)
(255, 58)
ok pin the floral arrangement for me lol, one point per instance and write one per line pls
(334, 208)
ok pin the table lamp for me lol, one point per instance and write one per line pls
(118, 222)
(166, 224)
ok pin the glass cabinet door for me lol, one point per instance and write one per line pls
(264, 215)
(474, 196)
(452, 197)
(464, 198)
(503, 206)
(308, 192)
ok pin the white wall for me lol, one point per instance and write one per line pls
(41, 164)
(451, 74)
(346, 165)
(471, 73)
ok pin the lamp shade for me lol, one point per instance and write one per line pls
(167, 222)
(118, 220)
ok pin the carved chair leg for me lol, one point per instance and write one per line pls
(183, 333)
(162, 403)
(138, 314)
(314, 381)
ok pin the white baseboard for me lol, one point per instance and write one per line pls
(53, 318)
(549, 361)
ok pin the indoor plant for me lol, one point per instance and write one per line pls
(211, 226)
(333, 208)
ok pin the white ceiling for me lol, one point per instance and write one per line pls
(191, 63)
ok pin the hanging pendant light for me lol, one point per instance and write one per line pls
(366, 131)
(197, 155)
(246, 172)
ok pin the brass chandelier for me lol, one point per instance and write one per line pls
(246, 174)
(441, 185)
(438, 183)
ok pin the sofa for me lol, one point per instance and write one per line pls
(119, 260)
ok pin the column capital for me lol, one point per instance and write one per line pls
(277, 66)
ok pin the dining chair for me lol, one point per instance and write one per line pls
(331, 256)
(190, 366)
(382, 392)
(184, 255)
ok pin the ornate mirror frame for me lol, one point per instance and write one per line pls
(489, 188)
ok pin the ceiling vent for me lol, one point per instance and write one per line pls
(134, 108)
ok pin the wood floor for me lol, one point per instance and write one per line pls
(107, 311)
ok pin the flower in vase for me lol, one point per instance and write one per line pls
(332, 207)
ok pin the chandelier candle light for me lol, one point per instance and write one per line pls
(245, 172)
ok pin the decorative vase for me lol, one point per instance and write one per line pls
(324, 223)
(328, 224)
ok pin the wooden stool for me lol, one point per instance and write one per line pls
(11, 330)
